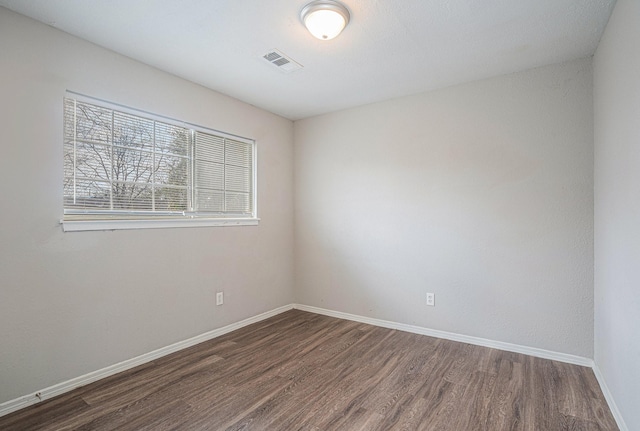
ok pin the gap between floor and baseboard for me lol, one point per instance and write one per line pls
(60, 388)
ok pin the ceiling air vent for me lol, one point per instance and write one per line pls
(281, 61)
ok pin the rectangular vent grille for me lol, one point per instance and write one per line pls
(281, 61)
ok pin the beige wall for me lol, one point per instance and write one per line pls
(77, 302)
(617, 208)
(481, 193)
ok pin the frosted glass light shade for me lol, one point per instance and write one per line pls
(325, 19)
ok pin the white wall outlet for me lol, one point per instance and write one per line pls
(431, 299)
(219, 298)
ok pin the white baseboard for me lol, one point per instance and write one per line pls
(60, 388)
(516, 348)
(607, 395)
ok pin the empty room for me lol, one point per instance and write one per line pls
(320, 215)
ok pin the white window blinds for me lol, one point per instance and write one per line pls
(121, 164)
(223, 174)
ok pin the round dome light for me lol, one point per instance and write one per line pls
(325, 19)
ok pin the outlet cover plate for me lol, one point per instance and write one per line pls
(431, 299)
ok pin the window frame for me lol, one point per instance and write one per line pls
(74, 220)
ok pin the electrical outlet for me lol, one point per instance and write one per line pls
(219, 298)
(431, 299)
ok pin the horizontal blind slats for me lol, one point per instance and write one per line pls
(209, 175)
(237, 179)
(238, 202)
(209, 147)
(237, 153)
(210, 200)
(120, 163)
(223, 167)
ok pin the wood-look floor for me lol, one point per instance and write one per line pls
(302, 371)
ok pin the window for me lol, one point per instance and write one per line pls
(127, 169)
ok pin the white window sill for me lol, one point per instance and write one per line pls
(87, 225)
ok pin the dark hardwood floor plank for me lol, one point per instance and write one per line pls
(438, 367)
(507, 402)
(539, 413)
(303, 371)
(139, 385)
(476, 403)
(403, 382)
(46, 414)
(570, 423)
(319, 391)
(586, 396)
(339, 393)
(442, 409)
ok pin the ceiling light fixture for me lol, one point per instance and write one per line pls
(325, 19)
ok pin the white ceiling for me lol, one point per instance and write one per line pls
(391, 48)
